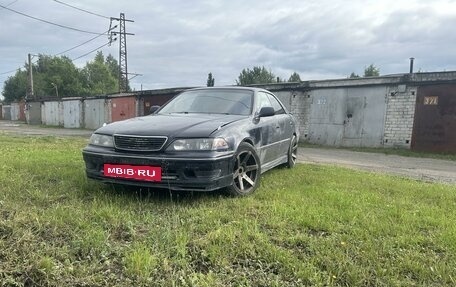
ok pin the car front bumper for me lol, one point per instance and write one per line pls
(195, 173)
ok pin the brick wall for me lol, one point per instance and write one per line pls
(300, 108)
(400, 111)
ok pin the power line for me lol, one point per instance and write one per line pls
(63, 3)
(8, 72)
(70, 49)
(77, 46)
(11, 3)
(91, 51)
(48, 22)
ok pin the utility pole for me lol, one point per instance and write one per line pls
(30, 92)
(123, 66)
(56, 89)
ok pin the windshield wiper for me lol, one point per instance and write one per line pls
(206, 113)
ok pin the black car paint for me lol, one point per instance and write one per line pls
(184, 125)
(270, 136)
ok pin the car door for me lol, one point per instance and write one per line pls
(284, 130)
(269, 129)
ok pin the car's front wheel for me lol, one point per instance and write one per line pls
(292, 152)
(246, 171)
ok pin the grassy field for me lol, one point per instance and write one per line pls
(310, 226)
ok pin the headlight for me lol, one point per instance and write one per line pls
(216, 144)
(101, 140)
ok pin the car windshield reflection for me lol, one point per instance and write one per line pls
(211, 102)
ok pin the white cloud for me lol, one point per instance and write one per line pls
(177, 43)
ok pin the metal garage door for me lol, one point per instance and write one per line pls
(434, 128)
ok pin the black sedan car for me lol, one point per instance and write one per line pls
(203, 139)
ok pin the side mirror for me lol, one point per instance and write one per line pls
(266, 112)
(153, 109)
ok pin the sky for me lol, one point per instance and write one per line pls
(177, 43)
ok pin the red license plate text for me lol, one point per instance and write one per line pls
(145, 173)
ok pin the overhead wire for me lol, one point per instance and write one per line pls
(49, 22)
(8, 72)
(77, 46)
(72, 48)
(11, 3)
(67, 50)
(66, 27)
(91, 51)
(80, 9)
(108, 43)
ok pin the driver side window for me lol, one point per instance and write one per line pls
(278, 109)
(262, 101)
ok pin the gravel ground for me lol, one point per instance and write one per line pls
(426, 169)
(13, 127)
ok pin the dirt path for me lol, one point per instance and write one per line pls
(13, 127)
(420, 168)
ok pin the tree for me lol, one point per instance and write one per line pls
(51, 73)
(112, 65)
(371, 71)
(98, 77)
(294, 77)
(210, 80)
(15, 87)
(48, 72)
(353, 76)
(61, 72)
(258, 75)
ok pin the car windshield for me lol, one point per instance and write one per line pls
(233, 102)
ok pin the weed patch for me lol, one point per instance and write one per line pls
(309, 226)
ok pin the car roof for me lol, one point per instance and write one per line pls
(229, 88)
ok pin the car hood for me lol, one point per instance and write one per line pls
(171, 125)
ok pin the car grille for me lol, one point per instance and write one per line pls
(139, 143)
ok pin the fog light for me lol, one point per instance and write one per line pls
(91, 165)
(208, 173)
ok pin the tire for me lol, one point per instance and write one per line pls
(292, 152)
(246, 171)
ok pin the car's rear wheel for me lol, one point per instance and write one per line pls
(246, 171)
(292, 152)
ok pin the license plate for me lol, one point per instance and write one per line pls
(138, 172)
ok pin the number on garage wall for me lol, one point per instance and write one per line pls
(431, 101)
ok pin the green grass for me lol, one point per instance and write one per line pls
(313, 225)
(388, 151)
